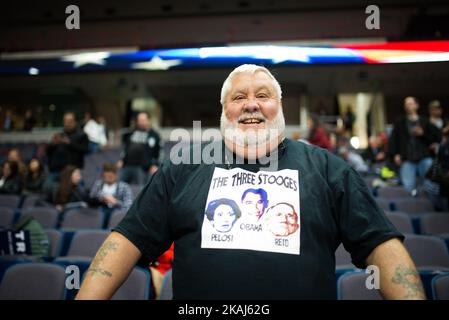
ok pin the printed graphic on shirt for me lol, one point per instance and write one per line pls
(254, 211)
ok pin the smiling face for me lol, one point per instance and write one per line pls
(252, 110)
(224, 218)
(282, 220)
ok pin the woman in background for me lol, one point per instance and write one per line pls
(35, 178)
(70, 193)
(10, 182)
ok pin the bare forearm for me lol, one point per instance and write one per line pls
(110, 267)
(399, 278)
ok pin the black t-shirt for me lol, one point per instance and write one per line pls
(335, 206)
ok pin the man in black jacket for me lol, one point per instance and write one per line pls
(66, 148)
(411, 145)
(141, 152)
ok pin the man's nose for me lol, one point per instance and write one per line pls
(251, 105)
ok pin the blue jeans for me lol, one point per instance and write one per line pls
(133, 175)
(409, 170)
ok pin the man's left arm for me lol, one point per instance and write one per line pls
(399, 278)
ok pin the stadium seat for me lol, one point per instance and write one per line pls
(6, 217)
(83, 247)
(116, 217)
(390, 192)
(352, 286)
(31, 201)
(343, 258)
(136, 287)
(47, 217)
(55, 237)
(167, 287)
(9, 201)
(401, 221)
(440, 287)
(85, 243)
(435, 223)
(33, 281)
(83, 218)
(412, 205)
(428, 252)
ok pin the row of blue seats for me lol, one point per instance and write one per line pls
(435, 223)
(50, 217)
(24, 280)
(55, 281)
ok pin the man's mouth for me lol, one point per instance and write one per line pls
(252, 121)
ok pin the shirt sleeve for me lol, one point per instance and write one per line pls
(146, 224)
(363, 225)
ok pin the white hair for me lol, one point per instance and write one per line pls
(249, 68)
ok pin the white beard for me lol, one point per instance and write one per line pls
(250, 137)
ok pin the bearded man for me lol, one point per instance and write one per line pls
(331, 200)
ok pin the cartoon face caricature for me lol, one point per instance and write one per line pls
(222, 214)
(254, 203)
(282, 219)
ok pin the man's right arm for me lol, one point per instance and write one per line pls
(111, 266)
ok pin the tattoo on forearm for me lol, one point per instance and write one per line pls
(409, 278)
(95, 267)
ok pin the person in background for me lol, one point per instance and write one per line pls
(436, 114)
(96, 134)
(160, 267)
(8, 122)
(86, 118)
(15, 156)
(443, 171)
(141, 152)
(375, 152)
(109, 193)
(103, 124)
(10, 182)
(34, 182)
(29, 121)
(436, 118)
(66, 148)
(353, 159)
(70, 193)
(318, 136)
(375, 155)
(348, 120)
(410, 145)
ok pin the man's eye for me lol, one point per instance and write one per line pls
(239, 98)
(262, 96)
